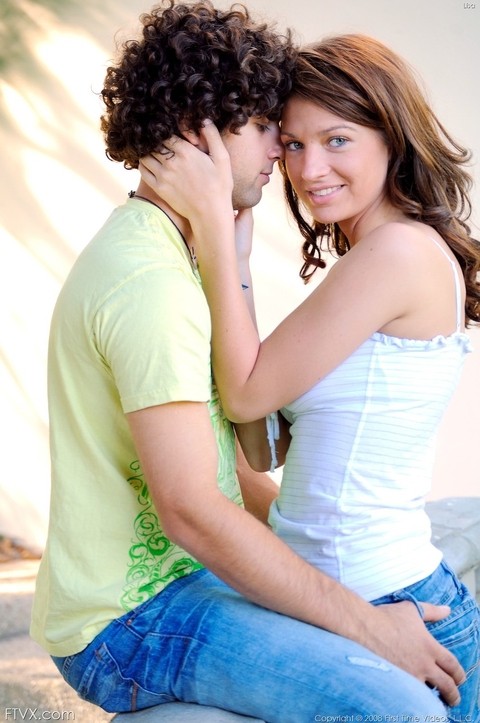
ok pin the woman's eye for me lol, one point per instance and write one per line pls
(337, 142)
(292, 145)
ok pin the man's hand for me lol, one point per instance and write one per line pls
(406, 642)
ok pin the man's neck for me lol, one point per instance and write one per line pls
(145, 192)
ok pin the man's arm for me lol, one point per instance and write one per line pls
(177, 452)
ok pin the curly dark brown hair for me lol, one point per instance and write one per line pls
(193, 62)
(360, 79)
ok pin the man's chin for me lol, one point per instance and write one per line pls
(246, 201)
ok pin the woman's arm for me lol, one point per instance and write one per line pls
(354, 300)
(264, 454)
(258, 488)
(253, 436)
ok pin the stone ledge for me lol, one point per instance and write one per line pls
(183, 713)
(456, 532)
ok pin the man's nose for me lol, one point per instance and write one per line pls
(277, 150)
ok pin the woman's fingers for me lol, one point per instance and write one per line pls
(187, 178)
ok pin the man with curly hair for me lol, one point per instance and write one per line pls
(156, 584)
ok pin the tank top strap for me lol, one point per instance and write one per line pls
(458, 293)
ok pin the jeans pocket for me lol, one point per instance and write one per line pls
(460, 630)
(103, 684)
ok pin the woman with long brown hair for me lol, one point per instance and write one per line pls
(364, 368)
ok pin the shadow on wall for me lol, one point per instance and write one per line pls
(57, 188)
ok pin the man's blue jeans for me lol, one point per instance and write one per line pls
(459, 632)
(200, 641)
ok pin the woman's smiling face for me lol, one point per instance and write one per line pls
(337, 168)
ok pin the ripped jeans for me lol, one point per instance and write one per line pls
(200, 641)
(459, 632)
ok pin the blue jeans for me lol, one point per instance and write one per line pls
(200, 641)
(459, 632)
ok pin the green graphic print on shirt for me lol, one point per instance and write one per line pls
(155, 561)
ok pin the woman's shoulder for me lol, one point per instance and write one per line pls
(392, 252)
(402, 241)
(402, 232)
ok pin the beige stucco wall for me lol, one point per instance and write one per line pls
(57, 187)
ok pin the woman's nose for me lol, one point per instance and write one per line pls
(315, 165)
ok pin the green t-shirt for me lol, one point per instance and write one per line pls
(131, 329)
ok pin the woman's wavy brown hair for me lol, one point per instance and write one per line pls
(192, 62)
(363, 81)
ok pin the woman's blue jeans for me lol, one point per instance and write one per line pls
(200, 641)
(459, 632)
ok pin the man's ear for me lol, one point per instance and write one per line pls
(194, 139)
(190, 136)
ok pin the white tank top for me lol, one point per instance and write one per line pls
(361, 457)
